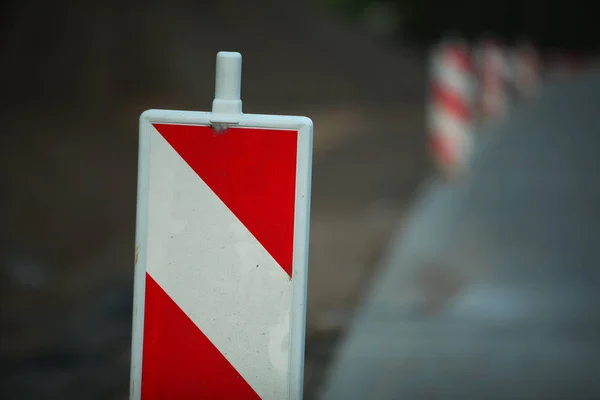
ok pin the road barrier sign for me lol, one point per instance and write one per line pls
(221, 250)
(450, 103)
(494, 72)
(526, 70)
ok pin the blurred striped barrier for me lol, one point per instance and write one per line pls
(474, 85)
(450, 106)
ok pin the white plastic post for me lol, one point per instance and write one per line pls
(227, 105)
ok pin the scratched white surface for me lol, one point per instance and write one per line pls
(522, 233)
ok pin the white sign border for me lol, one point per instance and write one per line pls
(304, 127)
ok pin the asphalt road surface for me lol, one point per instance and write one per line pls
(490, 290)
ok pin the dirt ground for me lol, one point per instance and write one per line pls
(68, 154)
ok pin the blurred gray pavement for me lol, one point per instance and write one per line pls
(490, 288)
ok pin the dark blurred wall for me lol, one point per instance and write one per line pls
(553, 24)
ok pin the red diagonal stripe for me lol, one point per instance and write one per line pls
(443, 149)
(253, 171)
(179, 361)
(450, 101)
(459, 57)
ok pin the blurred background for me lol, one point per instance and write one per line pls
(75, 77)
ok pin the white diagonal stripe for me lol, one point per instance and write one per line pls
(442, 120)
(453, 128)
(453, 78)
(218, 273)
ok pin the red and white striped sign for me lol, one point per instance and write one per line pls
(526, 70)
(494, 73)
(450, 106)
(221, 261)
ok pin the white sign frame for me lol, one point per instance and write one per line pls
(304, 127)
